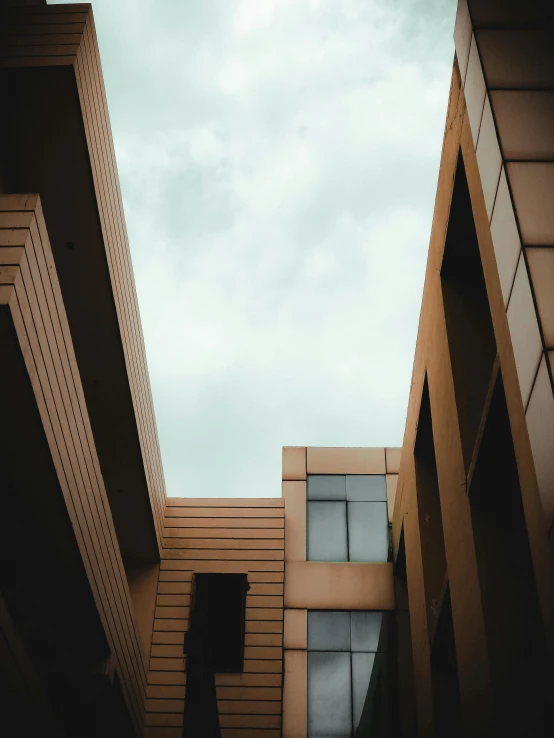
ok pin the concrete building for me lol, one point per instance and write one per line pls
(339, 590)
(389, 592)
(474, 504)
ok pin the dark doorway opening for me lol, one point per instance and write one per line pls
(218, 607)
(444, 674)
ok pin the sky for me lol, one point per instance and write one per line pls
(278, 163)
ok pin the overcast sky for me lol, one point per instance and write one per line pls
(278, 162)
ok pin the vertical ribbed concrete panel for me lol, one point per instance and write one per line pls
(224, 536)
(51, 54)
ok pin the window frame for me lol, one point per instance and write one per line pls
(379, 654)
(376, 494)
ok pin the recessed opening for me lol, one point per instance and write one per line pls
(405, 714)
(444, 669)
(516, 643)
(44, 587)
(468, 320)
(444, 674)
(429, 511)
(218, 606)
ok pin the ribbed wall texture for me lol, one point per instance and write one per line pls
(64, 35)
(224, 536)
(29, 285)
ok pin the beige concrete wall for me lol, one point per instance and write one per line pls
(97, 220)
(220, 536)
(509, 92)
(501, 78)
(143, 586)
(295, 694)
(29, 286)
(315, 585)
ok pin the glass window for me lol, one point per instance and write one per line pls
(366, 630)
(347, 518)
(345, 671)
(368, 531)
(366, 487)
(327, 538)
(329, 695)
(328, 631)
(326, 487)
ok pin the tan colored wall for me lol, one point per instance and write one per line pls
(64, 36)
(295, 694)
(498, 54)
(506, 55)
(342, 586)
(143, 586)
(29, 286)
(224, 536)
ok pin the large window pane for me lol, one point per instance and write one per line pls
(327, 539)
(329, 695)
(362, 686)
(368, 531)
(366, 629)
(326, 487)
(328, 631)
(366, 487)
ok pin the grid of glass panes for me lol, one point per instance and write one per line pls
(347, 517)
(345, 659)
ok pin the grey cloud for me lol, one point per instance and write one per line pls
(278, 163)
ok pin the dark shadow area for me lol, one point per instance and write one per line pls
(521, 674)
(468, 321)
(43, 582)
(405, 715)
(374, 720)
(444, 673)
(444, 670)
(214, 643)
(430, 515)
(219, 603)
(43, 149)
